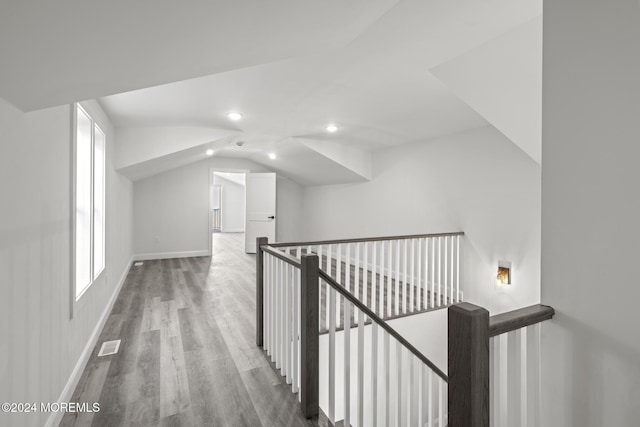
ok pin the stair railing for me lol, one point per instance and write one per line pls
(394, 276)
(494, 366)
(371, 375)
(374, 378)
(368, 374)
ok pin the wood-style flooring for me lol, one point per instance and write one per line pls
(188, 355)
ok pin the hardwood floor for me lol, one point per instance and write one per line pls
(188, 355)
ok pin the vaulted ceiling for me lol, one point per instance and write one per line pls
(386, 72)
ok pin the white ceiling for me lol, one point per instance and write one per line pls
(290, 67)
(56, 52)
(509, 68)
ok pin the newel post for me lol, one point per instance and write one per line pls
(468, 366)
(309, 336)
(260, 290)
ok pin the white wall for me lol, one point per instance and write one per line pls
(590, 212)
(232, 212)
(478, 182)
(171, 209)
(41, 345)
(289, 221)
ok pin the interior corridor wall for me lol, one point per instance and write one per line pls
(478, 182)
(40, 344)
(171, 209)
(590, 213)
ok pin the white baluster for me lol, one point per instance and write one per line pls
(400, 393)
(421, 296)
(533, 375)
(387, 378)
(426, 272)
(321, 308)
(514, 374)
(265, 296)
(414, 390)
(361, 368)
(380, 273)
(357, 290)
(397, 271)
(272, 314)
(332, 354)
(287, 324)
(445, 267)
(423, 394)
(340, 282)
(493, 384)
(346, 321)
(281, 323)
(347, 280)
(389, 277)
(433, 272)
(366, 294)
(296, 323)
(290, 314)
(412, 278)
(374, 287)
(499, 376)
(439, 271)
(441, 420)
(276, 312)
(430, 414)
(451, 300)
(374, 373)
(457, 268)
(405, 254)
(327, 289)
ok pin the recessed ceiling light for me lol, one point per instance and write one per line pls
(209, 152)
(332, 128)
(273, 156)
(234, 116)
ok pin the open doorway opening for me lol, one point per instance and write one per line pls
(243, 203)
(228, 202)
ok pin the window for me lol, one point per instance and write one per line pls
(90, 145)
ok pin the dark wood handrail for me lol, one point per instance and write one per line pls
(281, 255)
(516, 319)
(374, 317)
(364, 239)
(470, 328)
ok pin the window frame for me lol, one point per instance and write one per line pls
(94, 276)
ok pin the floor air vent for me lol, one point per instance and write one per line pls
(109, 347)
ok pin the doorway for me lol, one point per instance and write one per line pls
(228, 202)
(242, 202)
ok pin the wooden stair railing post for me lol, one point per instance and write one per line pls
(309, 336)
(260, 241)
(468, 358)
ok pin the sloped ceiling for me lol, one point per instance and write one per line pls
(290, 67)
(502, 81)
(57, 52)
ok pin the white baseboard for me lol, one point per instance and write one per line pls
(166, 255)
(232, 230)
(67, 392)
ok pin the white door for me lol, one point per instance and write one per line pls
(261, 209)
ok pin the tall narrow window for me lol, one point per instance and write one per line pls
(98, 201)
(90, 201)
